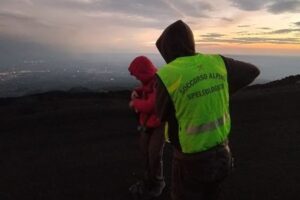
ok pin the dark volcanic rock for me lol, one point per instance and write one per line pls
(61, 145)
(287, 81)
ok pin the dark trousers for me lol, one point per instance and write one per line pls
(199, 176)
(151, 145)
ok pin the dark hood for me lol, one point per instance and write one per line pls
(177, 40)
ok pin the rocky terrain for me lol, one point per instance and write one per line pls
(83, 145)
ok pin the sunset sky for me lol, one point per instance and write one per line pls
(96, 26)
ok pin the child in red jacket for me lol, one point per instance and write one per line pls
(151, 130)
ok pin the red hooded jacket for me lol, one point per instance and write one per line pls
(143, 69)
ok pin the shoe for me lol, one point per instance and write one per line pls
(158, 188)
(139, 190)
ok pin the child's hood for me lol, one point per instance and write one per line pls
(142, 68)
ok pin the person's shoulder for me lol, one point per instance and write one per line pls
(163, 69)
(229, 62)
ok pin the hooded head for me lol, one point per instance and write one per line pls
(142, 68)
(177, 40)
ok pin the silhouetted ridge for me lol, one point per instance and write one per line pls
(56, 94)
(290, 80)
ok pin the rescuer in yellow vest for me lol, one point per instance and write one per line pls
(193, 92)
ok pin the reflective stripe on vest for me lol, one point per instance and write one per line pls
(208, 126)
(166, 132)
(198, 88)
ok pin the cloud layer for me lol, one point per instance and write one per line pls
(134, 25)
(273, 6)
(271, 37)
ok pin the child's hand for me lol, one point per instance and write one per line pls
(131, 104)
(132, 107)
(134, 95)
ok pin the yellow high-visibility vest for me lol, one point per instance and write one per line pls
(198, 88)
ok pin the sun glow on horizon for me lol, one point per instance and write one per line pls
(225, 26)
